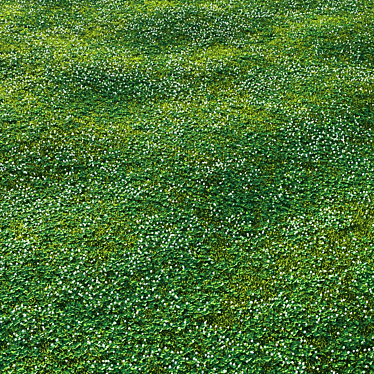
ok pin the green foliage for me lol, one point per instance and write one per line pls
(186, 186)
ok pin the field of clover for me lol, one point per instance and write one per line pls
(186, 186)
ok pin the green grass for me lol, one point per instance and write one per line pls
(186, 187)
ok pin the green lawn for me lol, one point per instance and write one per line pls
(186, 186)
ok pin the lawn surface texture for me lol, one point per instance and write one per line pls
(186, 186)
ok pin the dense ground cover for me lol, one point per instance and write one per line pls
(186, 186)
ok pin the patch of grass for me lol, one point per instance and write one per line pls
(186, 186)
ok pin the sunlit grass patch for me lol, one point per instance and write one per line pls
(216, 52)
(153, 5)
(11, 11)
